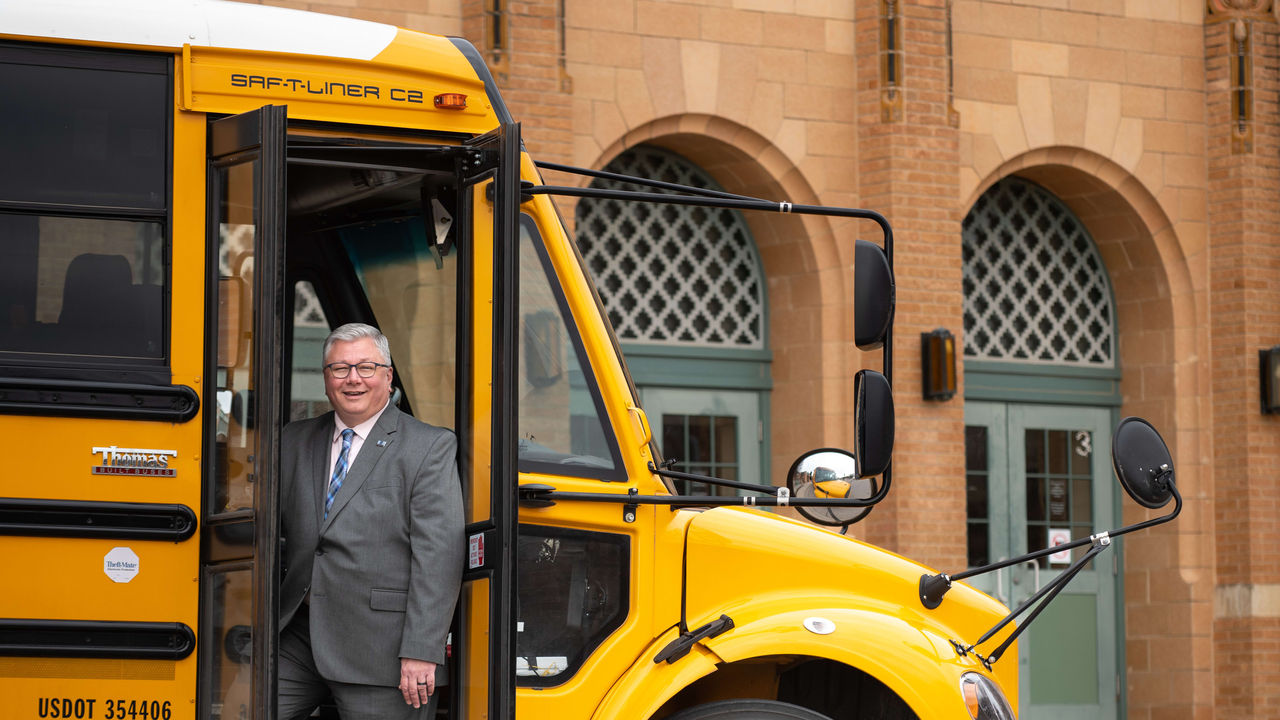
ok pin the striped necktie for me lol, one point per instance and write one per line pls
(339, 470)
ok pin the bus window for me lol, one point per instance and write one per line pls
(412, 291)
(562, 422)
(82, 286)
(573, 594)
(237, 437)
(83, 208)
(310, 327)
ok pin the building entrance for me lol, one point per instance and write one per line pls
(1038, 476)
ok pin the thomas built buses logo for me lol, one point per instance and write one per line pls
(134, 461)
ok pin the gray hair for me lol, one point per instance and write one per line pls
(356, 331)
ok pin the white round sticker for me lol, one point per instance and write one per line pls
(121, 564)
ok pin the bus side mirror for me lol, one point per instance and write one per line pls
(873, 420)
(873, 296)
(830, 474)
(1142, 463)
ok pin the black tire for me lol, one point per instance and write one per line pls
(748, 710)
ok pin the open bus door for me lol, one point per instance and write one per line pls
(487, 606)
(240, 522)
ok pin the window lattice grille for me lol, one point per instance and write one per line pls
(307, 311)
(1035, 288)
(668, 274)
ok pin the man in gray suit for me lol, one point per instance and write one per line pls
(371, 512)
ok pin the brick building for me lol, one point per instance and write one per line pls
(1084, 192)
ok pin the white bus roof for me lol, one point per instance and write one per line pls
(210, 23)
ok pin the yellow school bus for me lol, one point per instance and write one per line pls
(191, 195)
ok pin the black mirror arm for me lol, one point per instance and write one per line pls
(708, 480)
(933, 587)
(1048, 593)
(771, 489)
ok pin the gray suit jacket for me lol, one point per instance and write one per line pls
(385, 567)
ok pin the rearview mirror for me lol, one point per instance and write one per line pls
(873, 295)
(830, 473)
(1142, 462)
(873, 421)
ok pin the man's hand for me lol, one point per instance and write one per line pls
(417, 681)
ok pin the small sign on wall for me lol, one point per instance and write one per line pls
(1060, 536)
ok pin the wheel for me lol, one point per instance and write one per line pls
(748, 710)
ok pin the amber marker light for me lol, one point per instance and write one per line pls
(970, 692)
(451, 101)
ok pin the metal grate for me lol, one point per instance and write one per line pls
(672, 275)
(1035, 288)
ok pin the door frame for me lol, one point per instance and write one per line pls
(1006, 473)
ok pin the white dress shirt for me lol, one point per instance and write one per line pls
(357, 442)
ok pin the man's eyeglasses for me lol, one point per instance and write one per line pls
(364, 369)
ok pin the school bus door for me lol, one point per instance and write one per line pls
(487, 605)
(240, 524)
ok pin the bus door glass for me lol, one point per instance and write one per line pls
(240, 524)
(490, 197)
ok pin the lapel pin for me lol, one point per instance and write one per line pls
(382, 443)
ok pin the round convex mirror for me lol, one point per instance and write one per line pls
(830, 473)
(1140, 456)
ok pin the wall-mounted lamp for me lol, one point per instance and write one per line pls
(1269, 368)
(938, 363)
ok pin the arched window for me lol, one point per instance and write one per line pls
(673, 274)
(685, 292)
(1035, 288)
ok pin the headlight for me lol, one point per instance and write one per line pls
(983, 698)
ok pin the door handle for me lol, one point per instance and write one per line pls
(1035, 577)
(1000, 593)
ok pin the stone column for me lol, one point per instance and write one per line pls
(908, 152)
(1244, 235)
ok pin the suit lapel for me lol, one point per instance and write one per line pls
(316, 465)
(378, 443)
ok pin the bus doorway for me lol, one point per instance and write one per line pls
(313, 227)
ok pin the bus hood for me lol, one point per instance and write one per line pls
(750, 564)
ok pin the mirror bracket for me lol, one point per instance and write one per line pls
(932, 588)
(630, 509)
(962, 650)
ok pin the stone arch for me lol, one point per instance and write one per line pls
(1156, 295)
(1158, 271)
(808, 268)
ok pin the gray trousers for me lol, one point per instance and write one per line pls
(301, 689)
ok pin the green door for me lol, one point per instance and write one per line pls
(1037, 476)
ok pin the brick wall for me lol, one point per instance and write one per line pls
(1244, 213)
(907, 172)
